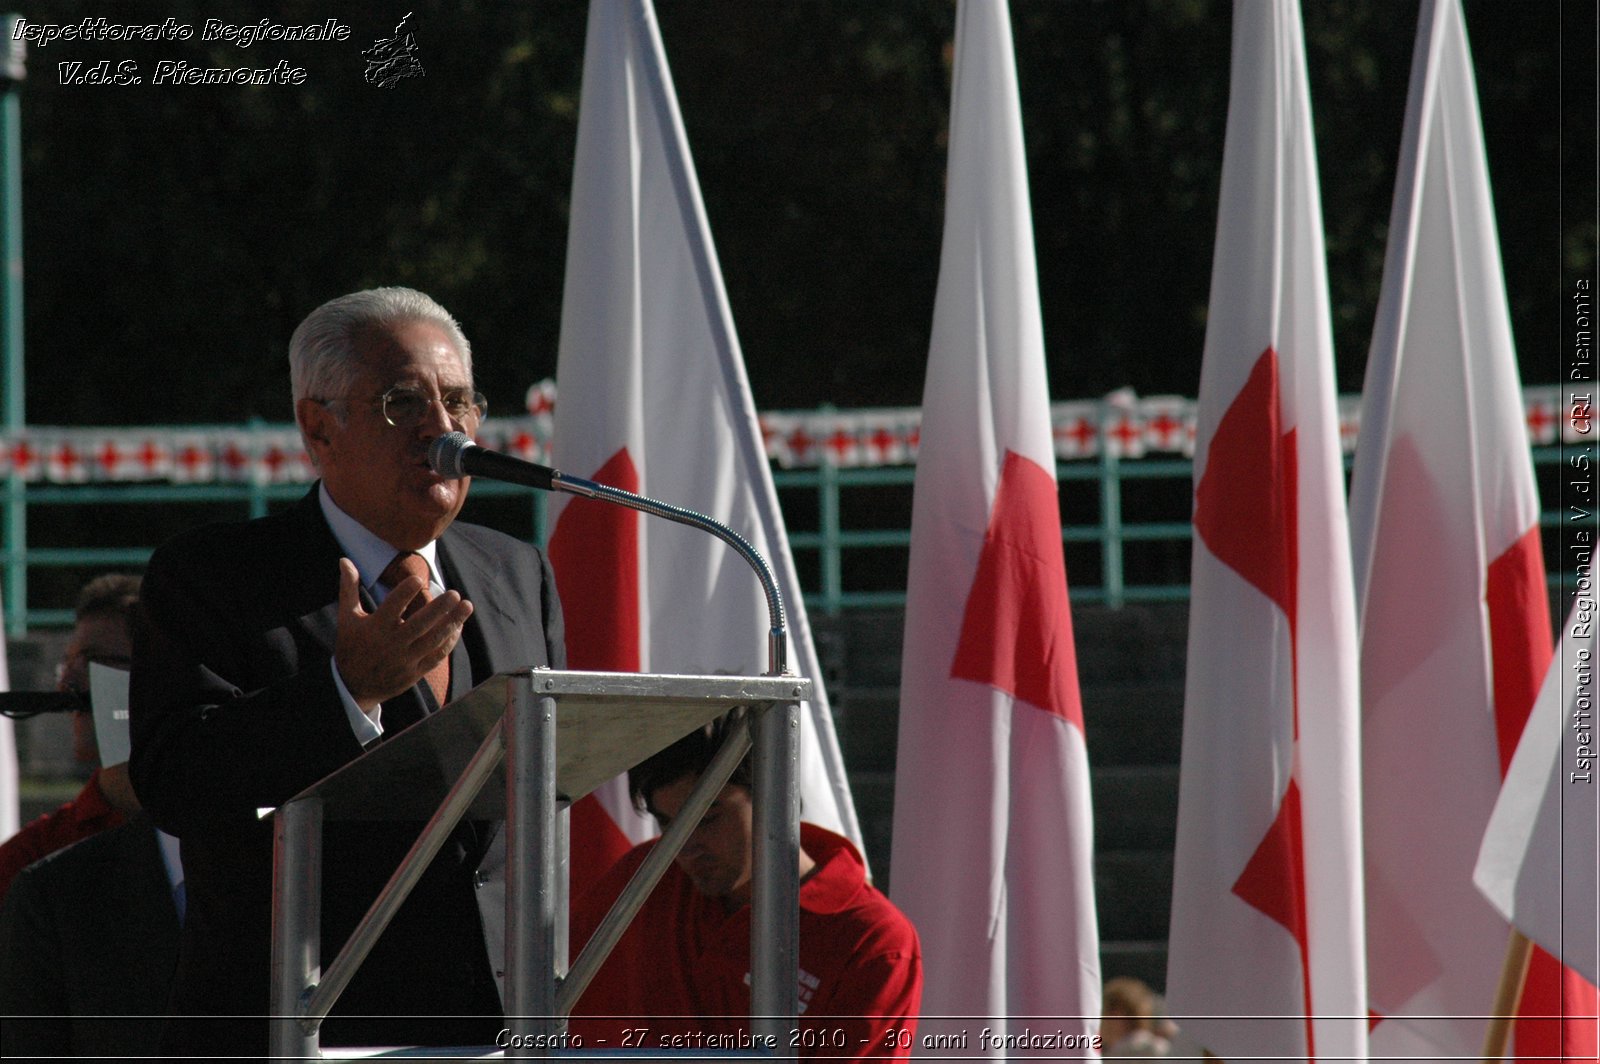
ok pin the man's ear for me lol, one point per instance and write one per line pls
(316, 423)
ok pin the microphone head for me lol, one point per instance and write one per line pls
(446, 453)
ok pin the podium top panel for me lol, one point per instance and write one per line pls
(606, 722)
(731, 690)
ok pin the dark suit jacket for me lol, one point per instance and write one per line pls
(86, 933)
(234, 709)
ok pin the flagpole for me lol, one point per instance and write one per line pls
(1518, 951)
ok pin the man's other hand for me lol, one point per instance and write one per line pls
(385, 652)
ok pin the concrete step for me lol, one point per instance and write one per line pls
(863, 645)
(873, 793)
(1142, 960)
(1133, 894)
(1133, 722)
(1139, 642)
(867, 721)
(1124, 724)
(1135, 808)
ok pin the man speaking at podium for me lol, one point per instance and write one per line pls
(270, 653)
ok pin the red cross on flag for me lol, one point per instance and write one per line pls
(1444, 491)
(1077, 432)
(993, 841)
(66, 463)
(193, 459)
(541, 398)
(237, 463)
(1167, 421)
(654, 399)
(775, 430)
(801, 445)
(843, 444)
(111, 459)
(1266, 940)
(1543, 416)
(24, 459)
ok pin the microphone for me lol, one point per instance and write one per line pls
(454, 455)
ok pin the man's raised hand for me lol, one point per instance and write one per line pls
(385, 652)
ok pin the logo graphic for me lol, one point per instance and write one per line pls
(390, 59)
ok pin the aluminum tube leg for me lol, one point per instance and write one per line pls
(456, 803)
(563, 897)
(734, 746)
(530, 870)
(775, 887)
(296, 924)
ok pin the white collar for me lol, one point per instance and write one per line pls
(170, 859)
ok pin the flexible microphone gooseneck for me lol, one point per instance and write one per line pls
(454, 455)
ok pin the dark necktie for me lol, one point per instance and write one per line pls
(410, 563)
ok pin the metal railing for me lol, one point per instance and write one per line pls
(849, 528)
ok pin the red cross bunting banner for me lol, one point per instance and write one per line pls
(993, 844)
(1266, 957)
(654, 399)
(1120, 425)
(1444, 493)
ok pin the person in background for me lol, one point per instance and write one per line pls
(683, 966)
(1127, 1022)
(89, 933)
(99, 634)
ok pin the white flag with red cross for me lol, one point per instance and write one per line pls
(993, 836)
(654, 399)
(1538, 863)
(1455, 616)
(1266, 954)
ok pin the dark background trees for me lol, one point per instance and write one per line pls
(176, 234)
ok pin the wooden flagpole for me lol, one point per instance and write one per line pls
(1512, 975)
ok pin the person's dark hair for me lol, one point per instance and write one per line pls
(689, 756)
(108, 595)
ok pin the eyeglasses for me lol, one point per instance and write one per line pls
(405, 406)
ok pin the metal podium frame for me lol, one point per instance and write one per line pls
(607, 723)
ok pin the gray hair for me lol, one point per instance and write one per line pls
(322, 351)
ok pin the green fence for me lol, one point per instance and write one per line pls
(1125, 525)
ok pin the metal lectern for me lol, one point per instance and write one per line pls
(522, 746)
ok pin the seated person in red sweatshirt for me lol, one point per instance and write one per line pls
(107, 799)
(681, 970)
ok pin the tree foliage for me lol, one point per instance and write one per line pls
(176, 234)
